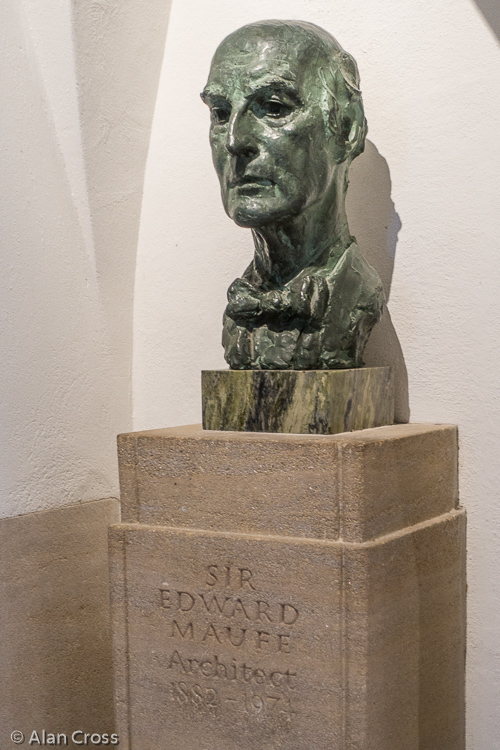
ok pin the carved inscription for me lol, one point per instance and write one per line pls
(227, 614)
(232, 671)
(242, 617)
(253, 704)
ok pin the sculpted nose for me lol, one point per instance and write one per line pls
(240, 140)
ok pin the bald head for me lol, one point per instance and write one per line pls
(308, 40)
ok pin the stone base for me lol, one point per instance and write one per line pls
(289, 592)
(321, 402)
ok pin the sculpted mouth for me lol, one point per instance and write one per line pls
(251, 181)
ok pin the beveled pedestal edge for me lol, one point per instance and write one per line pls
(354, 486)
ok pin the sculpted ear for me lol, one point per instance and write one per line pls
(346, 118)
(346, 132)
(355, 129)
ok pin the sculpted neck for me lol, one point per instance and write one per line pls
(283, 249)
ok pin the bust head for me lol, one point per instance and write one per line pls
(286, 121)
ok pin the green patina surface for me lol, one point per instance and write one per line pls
(287, 120)
(313, 402)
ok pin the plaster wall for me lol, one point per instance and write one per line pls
(424, 205)
(54, 344)
(78, 84)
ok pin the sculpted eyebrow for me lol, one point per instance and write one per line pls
(278, 86)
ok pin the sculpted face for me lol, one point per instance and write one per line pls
(271, 148)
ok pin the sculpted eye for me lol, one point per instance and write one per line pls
(220, 115)
(277, 109)
(272, 108)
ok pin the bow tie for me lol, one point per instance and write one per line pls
(305, 298)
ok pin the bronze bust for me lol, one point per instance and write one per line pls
(287, 120)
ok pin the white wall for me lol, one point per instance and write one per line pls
(425, 207)
(77, 86)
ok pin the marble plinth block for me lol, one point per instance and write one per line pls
(289, 592)
(321, 402)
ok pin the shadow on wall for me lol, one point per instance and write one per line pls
(375, 224)
(491, 11)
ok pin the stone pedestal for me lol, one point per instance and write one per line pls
(322, 402)
(289, 592)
